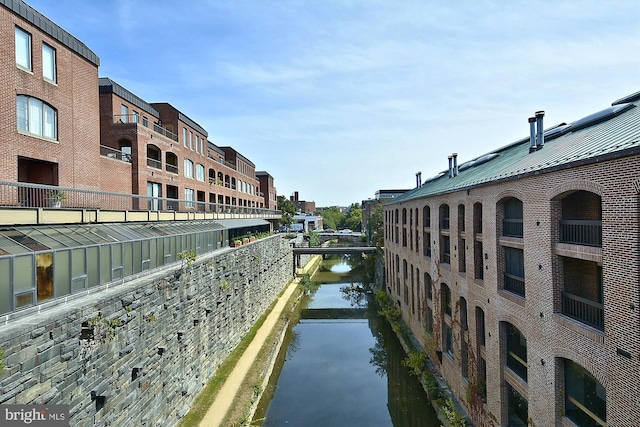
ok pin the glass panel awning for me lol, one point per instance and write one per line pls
(26, 239)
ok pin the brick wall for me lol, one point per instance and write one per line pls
(612, 356)
(74, 96)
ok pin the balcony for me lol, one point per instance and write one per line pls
(112, 153)
(154, 163)
(171, 168)
(514, 284)
(589, 312)
(137, 119)
(512, 227)
(24, 203)
(581, 232)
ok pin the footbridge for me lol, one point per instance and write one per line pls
(335, 250)
(297, 251)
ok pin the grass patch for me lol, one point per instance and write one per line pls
(238, 414)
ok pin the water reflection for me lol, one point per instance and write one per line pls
(342, 367)
(341, 268)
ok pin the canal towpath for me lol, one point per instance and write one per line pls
(225, 398)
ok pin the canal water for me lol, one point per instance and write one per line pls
(340, 364)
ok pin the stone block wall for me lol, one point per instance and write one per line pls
(138, 354)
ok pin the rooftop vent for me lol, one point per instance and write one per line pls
(600, 116)
(536, 138)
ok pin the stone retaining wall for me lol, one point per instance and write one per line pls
(139, 353)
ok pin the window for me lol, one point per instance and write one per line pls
(200, 172)
(135, 116)
(48, 62)
(444, 217)
(23, 49)
(145, 121)
(184, 137)
(190, 140)
(512, 222)
(447, 334)
(188, 168)
(447, 338)
(478, 263)
(189, 195)
(171, 161)
(514, 271)
(37, 117)
(124, 113)
(445, 249)
(516, 351)
(426, 217)
(446, 300)
(518, 408)
(427, 284)
(585, 400)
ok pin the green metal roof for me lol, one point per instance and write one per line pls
(610, 133)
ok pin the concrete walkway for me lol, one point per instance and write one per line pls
(226, 396)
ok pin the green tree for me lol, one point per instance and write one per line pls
(332, 217)
(375, 226)
(353, 219)
(288, 209)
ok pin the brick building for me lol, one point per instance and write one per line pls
(381, 197)
(519, 273)
(48, 84)
(304, 207)
(63, 126)
(169, 156)
(268, 190)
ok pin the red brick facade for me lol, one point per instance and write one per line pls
(106, 138)
(70, 158)
(559, 280)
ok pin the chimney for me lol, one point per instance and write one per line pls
(450, 167)
(540, 128)
(532, 138)
(418, 179)
(455, 164)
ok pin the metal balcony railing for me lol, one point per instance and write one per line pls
(512, 227)
(583, 310)
(171, 168)
(112, 153)
(154, 163)
(579, 232)
(24, 195)
(514, 284)
(137, 119)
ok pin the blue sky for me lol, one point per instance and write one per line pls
(339, 98)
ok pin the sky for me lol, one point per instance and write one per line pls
(337, 99)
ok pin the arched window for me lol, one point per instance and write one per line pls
(154, 156)
(200, 172)
(516, 351)
(188, 168)
(37, 117)
(447, 333)
(171, 162)
(445, 238)
(512, 217)
(585, 400)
